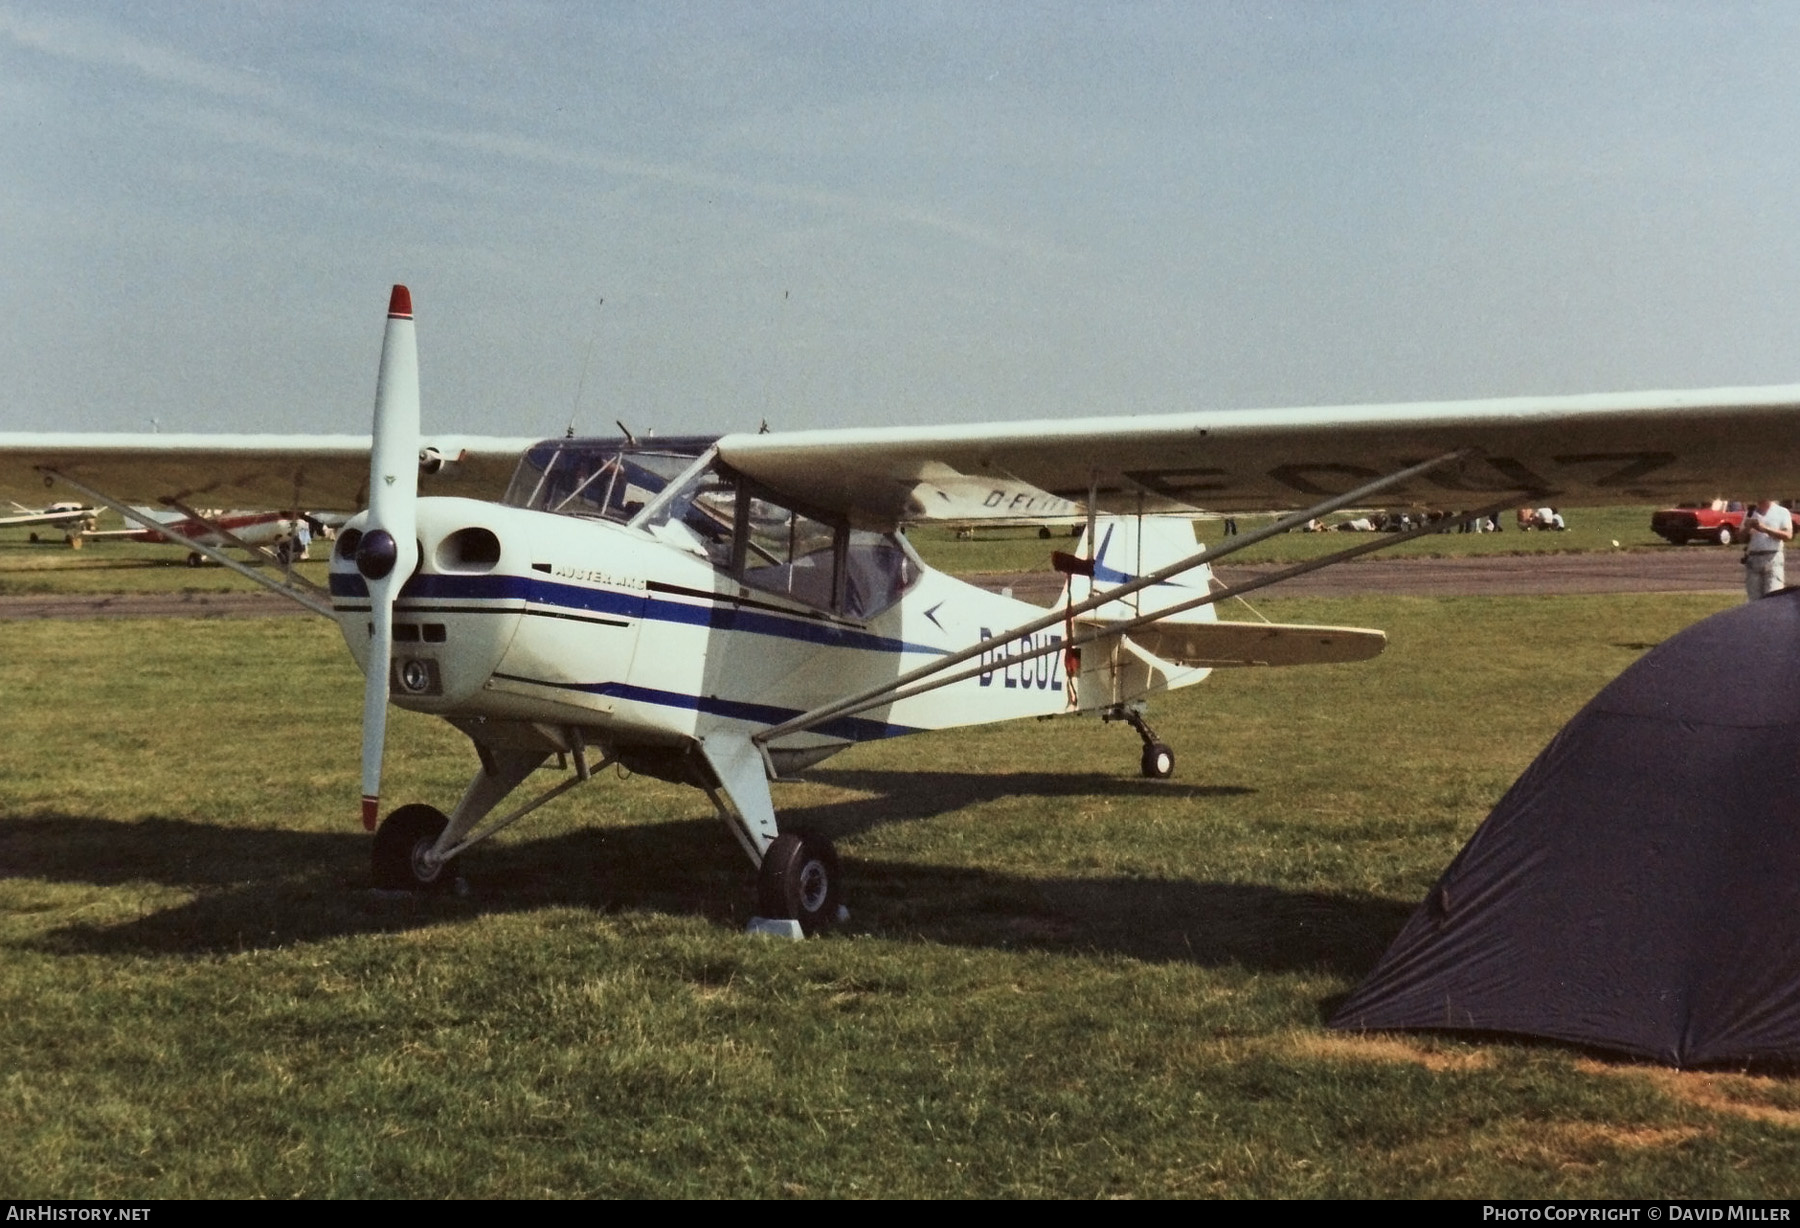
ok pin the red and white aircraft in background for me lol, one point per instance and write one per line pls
(727, 610)
(276, 533)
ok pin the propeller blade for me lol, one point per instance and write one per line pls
(375, 698)
(389, 550)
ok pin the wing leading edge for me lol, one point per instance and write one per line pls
(1575, 450)
(327, 473)
(1599, 449)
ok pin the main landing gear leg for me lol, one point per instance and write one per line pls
(415, 844)
(798, 880)
(1158, 761)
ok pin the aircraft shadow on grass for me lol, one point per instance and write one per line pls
(260, 888)
(908, 796)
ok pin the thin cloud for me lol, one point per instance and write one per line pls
(292, 128)
(544, 153)
(96, 43)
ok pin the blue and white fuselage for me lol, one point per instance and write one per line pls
(519, 615)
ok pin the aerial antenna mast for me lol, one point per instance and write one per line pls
(581, 384)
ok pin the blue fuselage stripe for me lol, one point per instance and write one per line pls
(853, 728)
(719, 614)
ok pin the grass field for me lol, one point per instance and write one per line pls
(1059, 979)
(49, 566)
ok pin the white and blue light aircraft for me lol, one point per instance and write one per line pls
(726, 611)
(66, 515)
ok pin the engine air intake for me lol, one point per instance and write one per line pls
(469, 550)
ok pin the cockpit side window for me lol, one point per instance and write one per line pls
(781, 550)
(768, 544)
(701, 516)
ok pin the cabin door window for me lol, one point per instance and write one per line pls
(785, 551)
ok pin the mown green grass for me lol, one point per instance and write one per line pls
(1058, 980)
(1021, 549)
(50, 566)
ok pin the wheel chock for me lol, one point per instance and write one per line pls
(770, 927)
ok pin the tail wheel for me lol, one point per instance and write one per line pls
(800, 881)
(1158, 762)
(401, 843)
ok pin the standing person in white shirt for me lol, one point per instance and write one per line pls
(1771, 528)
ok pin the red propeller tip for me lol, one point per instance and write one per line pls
(400, 304)
(371, 810)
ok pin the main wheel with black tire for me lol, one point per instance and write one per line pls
(401, 844)
(1158, 762)
(800, 881)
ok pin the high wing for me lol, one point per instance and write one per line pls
(326, 473)
(1600, 449)
(1574, 450)
(70, 516)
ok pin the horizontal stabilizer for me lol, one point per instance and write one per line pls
(1219, 645)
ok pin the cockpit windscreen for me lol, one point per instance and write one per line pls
(607, 478)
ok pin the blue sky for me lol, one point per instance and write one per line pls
(901, 213)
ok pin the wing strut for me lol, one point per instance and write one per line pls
(306, 599)
(484, 792)
(862, 699)
(896, 693)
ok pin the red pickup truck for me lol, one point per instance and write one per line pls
(1719, 521)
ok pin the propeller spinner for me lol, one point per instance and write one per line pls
(389, 548)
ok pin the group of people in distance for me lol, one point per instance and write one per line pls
(1545, 518)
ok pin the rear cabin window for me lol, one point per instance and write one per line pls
(879, 568)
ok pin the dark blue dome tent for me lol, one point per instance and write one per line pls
(1638, 888)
